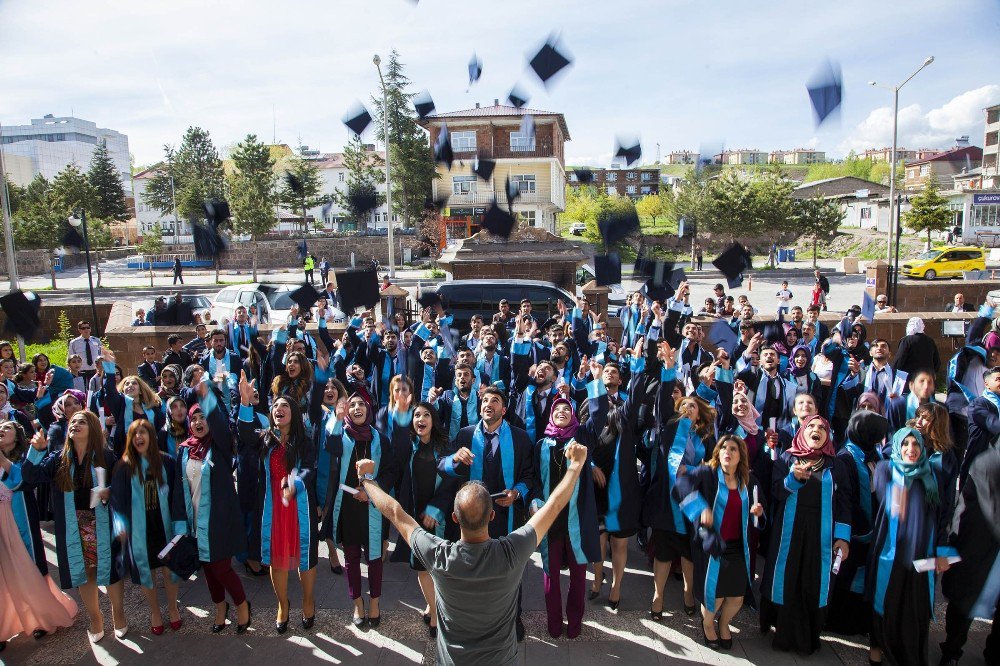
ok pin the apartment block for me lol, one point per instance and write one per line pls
(632, 183)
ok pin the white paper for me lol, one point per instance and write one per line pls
(773, 423)
(837, 561)
(170, 546)
(95, 497)
(101, 475)
(756, 519)
(348, 489)
(291, 480)
(927, 564)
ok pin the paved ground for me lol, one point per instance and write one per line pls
(625, 636)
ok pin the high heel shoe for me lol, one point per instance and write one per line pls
(710, 643)
(263, 571)
(39, 634)
(242, 628)
(432, 632)
(176, 624)
(217, 628)
(593, 594)
(689, 610)
(613, 605)
(724, 643)
(426, 618)
(121, 633)
(360, 622)
(655, 616)
(95, 638)
(336, 569)
(373, 622)
(308, 622)
(157, 631)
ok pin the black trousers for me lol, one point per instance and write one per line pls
(957, 626)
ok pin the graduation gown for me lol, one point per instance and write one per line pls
(251, 443)
(39, 467)
(807, 518)
(25, 508)
(123, 409)
(128, 504)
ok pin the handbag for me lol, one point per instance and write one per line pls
(181, 556)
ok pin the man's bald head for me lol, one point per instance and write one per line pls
(473, 507)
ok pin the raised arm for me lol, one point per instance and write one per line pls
(387, 506)
(576, 454)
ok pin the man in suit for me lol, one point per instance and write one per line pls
(218, 358)
(984, 421)
(149, 369)
(239, 332)
(176, 354)
(959, 304)
(771, 394)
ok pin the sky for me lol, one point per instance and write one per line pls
(678, 73)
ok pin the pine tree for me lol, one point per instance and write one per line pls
(308, 190)
(252, 191)
(365, 171)
(816, 218)
(929, 210)
(197, 176)
(104, 177)
(411, 165)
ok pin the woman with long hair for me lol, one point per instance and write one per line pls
(128, 400)
(400, 390)
(175, 426)
(296, 381)
(86, 549)
(684, 430)
(284, 535)
(56, 379)
(29, 599)
(911, 526)
(333, 393)
(812, 521)
(849, 612)
(355, 523)
(209, 503)
(147, 517)
(931, 420)
(720, 497)
(424, 494)
(574, 538)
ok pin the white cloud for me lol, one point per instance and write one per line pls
(936, 128)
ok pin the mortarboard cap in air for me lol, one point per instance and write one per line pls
(657, 292)
(21, 308)
(428, 298)
(618, 224)
(423, 104)
(733, 262)
(363, 201)
(483, 168)
(443, 152)
(629, 149)
(357, 118)
(518, 96)
(357, 288)
(549, 60)
(607, 269)
(208, 242)
(216, 211)
(498, 221)
(584, 176)
(825, 90)
(475, 68)
(305, 296)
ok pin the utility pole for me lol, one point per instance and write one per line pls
(388, 181)
(8, 233)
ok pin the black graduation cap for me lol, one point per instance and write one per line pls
(497, 221)
(428, 298)
(607, 269)
(549, 60)
(475, 68)
(21, 308)
(216, 211)
(363, 201)
(513, 191)
(722, 336)
(423, 104)
(357, 118)
(357, 288)
(483, 168)
(305, 296)
(442, 149)
(303, 249)
(208, 242)
(518, 96)
(584, 176)
(182, 557)
(773, 332)
(294, 184)
(630, 149)
(72, 241)
(656, 292)
(618, 225)
(825, 90)
(733, 262)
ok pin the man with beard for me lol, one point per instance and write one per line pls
(879, 377)
(492, 367)
(385, 362)
(771, 394)
(459, 405)
(535, 393)
(501, 318)
(500, 456)
(691, 356)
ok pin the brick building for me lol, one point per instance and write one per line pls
(632, 183)
(944, 166)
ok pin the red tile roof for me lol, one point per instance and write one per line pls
(951, 155)
(501, 111)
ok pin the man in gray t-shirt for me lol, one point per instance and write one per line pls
(476, 578)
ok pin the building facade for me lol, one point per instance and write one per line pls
(52, 143)
(991, 142)
(864, 203)
(681, 157)
(632, 183)
(944, 166)
(744, 156)
(885, 154)
(803, 156)
(536, 164)
(147, 217)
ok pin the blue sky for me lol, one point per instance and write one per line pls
(678, 72)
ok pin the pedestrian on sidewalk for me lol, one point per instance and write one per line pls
(824, 286)
(324, 270)
(178, 271)
(308, 266)
(699, 255)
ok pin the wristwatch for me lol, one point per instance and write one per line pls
(367, 477)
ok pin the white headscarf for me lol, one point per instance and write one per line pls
(915, 325)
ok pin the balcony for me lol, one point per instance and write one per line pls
(485, 197)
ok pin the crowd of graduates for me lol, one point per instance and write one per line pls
(827, 497)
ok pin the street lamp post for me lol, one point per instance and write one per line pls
(388, 182)
(892, 168)
(177, 222)
(78, 222)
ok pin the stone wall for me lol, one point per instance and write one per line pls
(49, 315)
(927, 295)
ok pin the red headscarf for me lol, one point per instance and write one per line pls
(800, 447)
(197, 447)
(363, 432)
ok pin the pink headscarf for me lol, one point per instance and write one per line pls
(748, 421)
(800, 446)
(557, 432)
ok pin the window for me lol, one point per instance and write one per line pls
(573, 178)
(612, 190)
(925, 169)
(646, 177)
(463, 184)
(630, 175)
(528, 217)
(645, 189)
(630, 189)
(611, 177)
(985, 216)
(225, 296)
(463, 142)
(340, 177)
(866, 213)
(525, 183)
(520, 142)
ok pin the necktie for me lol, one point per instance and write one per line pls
(491, 439)
(90, 354)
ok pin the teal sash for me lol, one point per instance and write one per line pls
(130, 413)
(136, 527)
(506, 448)
(74, 547)
(573, 522)
(200, 530)
(471, 409)
(374, 516)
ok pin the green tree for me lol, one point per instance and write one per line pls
(929, 210)
(733, 206)
(309, 190)
(411, 163)
(197, 175)
(15, 194)
(650, 205)
(37, 224)
(252, 191)
(365, 171)
(817, 218)
(152, 245)
(72, 191)
(693, 203)
(582, 205)
(107, 183)
(609, 208)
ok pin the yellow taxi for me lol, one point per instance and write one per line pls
(945, 262)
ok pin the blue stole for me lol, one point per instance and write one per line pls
(129, 415)
(374, 516)
(301, 508)
(17, 505)
(386, 379)
(573, 522)
(427, 381)
(494, 371)
(135, 524)
(685, 440)
(826, 537)
(992, 398)
(200, 526)
(529, 411)
(234, 335)
(912, 402)
(432, 511)
(471, 409)
(74, 547)
(506, 450)
(953, 371)
(718, 511)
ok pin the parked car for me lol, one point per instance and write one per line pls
(585, 274)
(946, 262)
(197, 302)
(464, 298)
(273, 301)
(577, 228)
